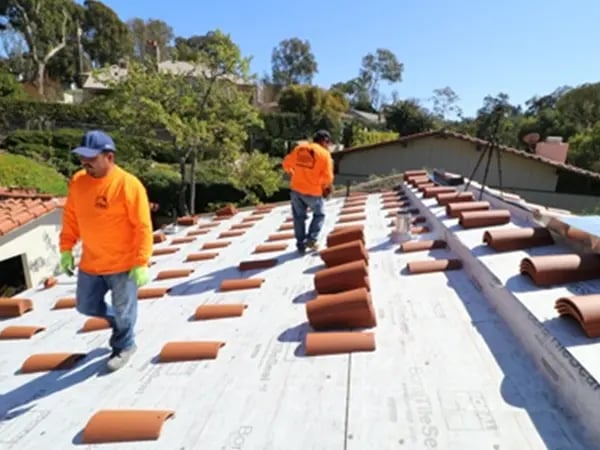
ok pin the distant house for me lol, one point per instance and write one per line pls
(29, 228)
(542, 176)
(98, 83)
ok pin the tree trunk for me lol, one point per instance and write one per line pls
(41, 71)
(182, 187)
(193, 182)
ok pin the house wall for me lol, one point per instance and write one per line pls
(452, 155)
(38, 240)
(578, 204)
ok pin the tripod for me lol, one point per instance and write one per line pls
(490, 148)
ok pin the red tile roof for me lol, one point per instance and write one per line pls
(20, 206)
(444, 134)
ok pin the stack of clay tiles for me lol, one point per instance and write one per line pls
(395, 202)
(343, 300)
(128, 425)
(554, 269)
(460, 205)
(419, 179)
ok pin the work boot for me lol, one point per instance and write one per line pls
(312, 245)
(118, 358)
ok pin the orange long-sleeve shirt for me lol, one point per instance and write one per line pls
(111, 217)
(310, 167)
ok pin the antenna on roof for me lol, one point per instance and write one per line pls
(492, 146)
(531, 139)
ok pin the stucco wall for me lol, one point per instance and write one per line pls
(38, 240)
(452, 155)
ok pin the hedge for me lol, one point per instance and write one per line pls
(54, 147)
(17, 170)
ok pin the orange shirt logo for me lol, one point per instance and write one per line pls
(306, 158)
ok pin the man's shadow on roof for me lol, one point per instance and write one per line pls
(22, 399)
(212, 280)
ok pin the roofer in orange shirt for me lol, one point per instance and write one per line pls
(107, 208)
(310, 167)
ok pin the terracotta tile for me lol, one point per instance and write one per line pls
(147, 293)
(220, 311)
(267, 248)
(330, 343)
(175, 273)
(436, 265)
(189, 351)
(348, 309)
(230, 234)
(20, 332)
(183, 240)
(165, 251)
(65, 303)
(14, 307)
(418, 246)
(124, 426)
(503, 240)
(95, 324)
(280, 237)
(214, 245)
(585, 309)
(205, 256)
(257, 264)
(551, 270)
(476, 219)
(43, 362)
(240, 284)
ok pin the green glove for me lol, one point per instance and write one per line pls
(140, 275)
(67, 263)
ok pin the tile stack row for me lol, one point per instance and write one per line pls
(343, 300)
(544, 270)
(547, 270)
(418, 179)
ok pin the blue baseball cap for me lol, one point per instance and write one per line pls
(94, 143)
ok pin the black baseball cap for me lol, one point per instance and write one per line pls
(322, 135)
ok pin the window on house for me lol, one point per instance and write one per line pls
(12, 276)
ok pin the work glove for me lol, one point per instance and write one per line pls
(67, 263)
(140, 275)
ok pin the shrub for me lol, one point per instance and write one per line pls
(18, 170)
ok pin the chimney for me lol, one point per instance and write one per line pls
(553, 148)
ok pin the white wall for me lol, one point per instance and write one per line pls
(38, 240)
(453, 155)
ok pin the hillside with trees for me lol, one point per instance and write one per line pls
(198, 127)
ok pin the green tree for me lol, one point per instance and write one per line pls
(206, 117)
(106, 38)
(45, 26)
(293, 62)
(445, 102)
(146, 32)
(10, 87)
(254, 174)
(318, 107)
(584, 149)
(409, 117)
(383, 65)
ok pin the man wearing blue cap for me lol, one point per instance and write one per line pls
(107, 209)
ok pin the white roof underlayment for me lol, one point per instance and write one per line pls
(447, 373)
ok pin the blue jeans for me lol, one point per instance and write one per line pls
(122, 316)
(300, 202)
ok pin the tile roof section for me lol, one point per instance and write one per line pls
(444, 134)
(20, 206)
(351, 387)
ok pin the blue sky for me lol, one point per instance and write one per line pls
(523, 48)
